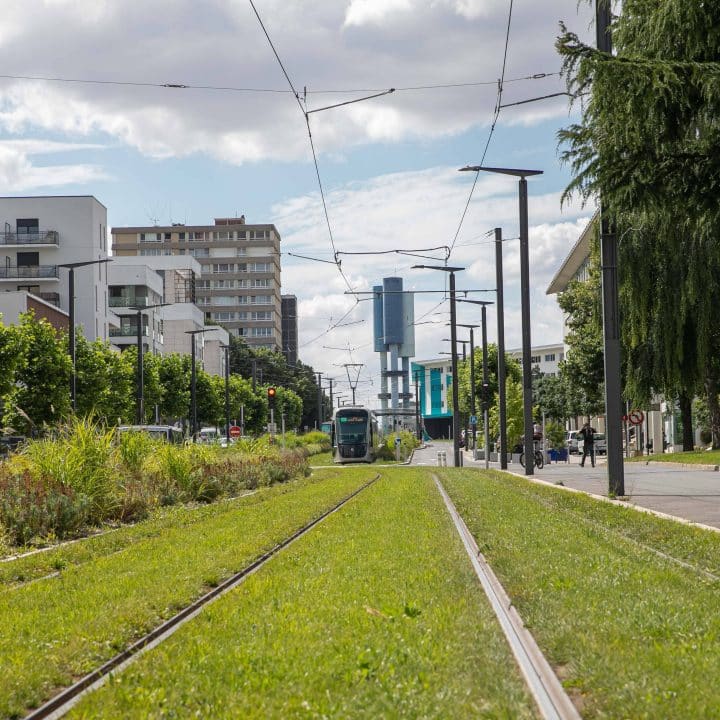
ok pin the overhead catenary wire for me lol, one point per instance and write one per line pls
(303, 110)
(274, 91)
(496, 115)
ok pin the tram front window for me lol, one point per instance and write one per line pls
(352, 429)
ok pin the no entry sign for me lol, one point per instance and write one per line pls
(636, 417)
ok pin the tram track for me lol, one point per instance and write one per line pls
(62, 702)
(545, 687)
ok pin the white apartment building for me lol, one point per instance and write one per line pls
(240, 283)
(38, 235)
(169, 282)
(545, 358)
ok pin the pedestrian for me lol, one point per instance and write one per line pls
(587, 434)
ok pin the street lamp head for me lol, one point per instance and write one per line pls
(476, 302)
(74, 265)
(501, 171)
(444, 268)
(140, 308)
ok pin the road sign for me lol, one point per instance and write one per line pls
(398, 440)
(473, 419)
(636, 417)
(235, 431)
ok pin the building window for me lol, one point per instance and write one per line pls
(260, 300)
(223, 316)
(535, 358)
(223, 268)
(261, 315)
(550, 357)
(151, 253)
(261, 283)
(261, 332)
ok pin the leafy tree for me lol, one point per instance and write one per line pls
(174, 378)
(41, 391)
(582, 370)
(208, 397)
(551, 396)
(105, 382)
(648, 144)
(514, 413)
(10, 355)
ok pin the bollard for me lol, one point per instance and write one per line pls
(439, 458)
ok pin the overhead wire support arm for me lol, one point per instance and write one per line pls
(306, 257)
(350, 102)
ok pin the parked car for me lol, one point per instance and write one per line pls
(169, 433)
(571, 442)
(600, 444)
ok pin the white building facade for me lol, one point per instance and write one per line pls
(40, 234)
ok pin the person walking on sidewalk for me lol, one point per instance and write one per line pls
(587, 434)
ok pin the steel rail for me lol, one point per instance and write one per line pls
(545, 687)
(61, 703)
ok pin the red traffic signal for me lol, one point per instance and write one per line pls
(271, 393)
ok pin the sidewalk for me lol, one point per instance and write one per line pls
(680, 491)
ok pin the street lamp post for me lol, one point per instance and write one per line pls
(193, 381)
(453, 343)
(226, 349)
(472, 383)
(71, 319)
(528, 445)
(464, 358)
(140, 404)
(418, 429)
(502, 404)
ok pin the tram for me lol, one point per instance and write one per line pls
(355, 435)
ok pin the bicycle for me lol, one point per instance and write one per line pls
(539, 459)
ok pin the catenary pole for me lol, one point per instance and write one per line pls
(611, 318)
(502, 405)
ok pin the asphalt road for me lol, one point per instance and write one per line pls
(682, 492)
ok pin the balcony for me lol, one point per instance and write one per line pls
(128, 302)
(39, 237)
(24, 272)
(128, 332)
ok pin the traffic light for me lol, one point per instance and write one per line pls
(485, 394)
(271, 393)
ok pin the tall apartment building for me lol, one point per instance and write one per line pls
(38, 235)
(290, 328)
(240, 281)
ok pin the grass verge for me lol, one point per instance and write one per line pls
(53, 630)
(375, 614)
(704, 457)
(621, 602)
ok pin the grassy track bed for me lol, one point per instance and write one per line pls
(620, 602)
(16, 571)
(374, 614)
(55, 629)
(696, 457)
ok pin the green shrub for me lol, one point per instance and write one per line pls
(87, 476)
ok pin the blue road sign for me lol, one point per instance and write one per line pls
(473, 419)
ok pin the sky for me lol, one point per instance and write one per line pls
(236, 142)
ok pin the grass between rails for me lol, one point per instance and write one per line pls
(56, 629)
(632, 633)
(375, 614)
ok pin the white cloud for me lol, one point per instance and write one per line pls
(414, 210)
(19, 173)
(324, 44)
